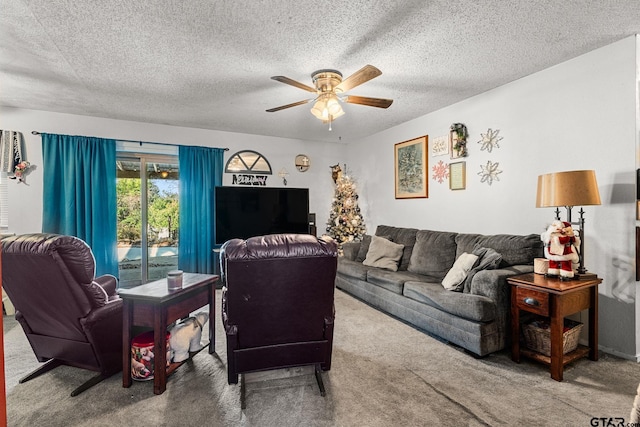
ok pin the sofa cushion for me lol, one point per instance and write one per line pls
(515, 250)
(364, 246)
(454, 280)
(434, 253)
(383, 254)
(349, 268)
(488, 259)
(403, 236)
(469, 306)
(394, 281)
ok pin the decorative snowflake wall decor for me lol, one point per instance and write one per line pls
(490, 140)
(440, 171)
(490, 172)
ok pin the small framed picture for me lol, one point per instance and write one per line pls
(457, 175)
(411, 169)
(439, 146)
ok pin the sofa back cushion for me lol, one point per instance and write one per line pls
(514, 249)
(402, 236)
(434, 253)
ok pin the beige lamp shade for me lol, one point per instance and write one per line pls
(571, 188)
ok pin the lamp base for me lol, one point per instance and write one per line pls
(586, 276)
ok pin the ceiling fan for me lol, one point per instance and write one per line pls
(330, 91)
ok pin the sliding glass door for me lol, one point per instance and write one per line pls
(147, 192)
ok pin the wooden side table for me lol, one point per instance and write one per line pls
(153, 305)
(555, 299)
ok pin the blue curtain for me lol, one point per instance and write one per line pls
(200, 172)
(80, 193)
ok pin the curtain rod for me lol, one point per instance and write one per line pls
(35, 132)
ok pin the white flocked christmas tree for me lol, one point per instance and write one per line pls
(345, 222)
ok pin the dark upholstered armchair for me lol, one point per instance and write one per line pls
(277, 303)
(69, 316)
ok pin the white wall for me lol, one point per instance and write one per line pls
(580, 114)
(25, 212)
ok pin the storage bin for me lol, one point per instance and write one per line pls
(537, 336)
(142, 357)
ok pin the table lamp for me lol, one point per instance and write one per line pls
(569, 189)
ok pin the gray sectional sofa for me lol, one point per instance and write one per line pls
(476, 317)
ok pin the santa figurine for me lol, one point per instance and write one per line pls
(560, 248)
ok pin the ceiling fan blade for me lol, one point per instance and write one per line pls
(363, 75)
(371, 102)
(282, 107)
(292, 82)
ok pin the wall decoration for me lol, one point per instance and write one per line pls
(411, 168)
(458, 176)
(458, 140)
(440, 171)
(283, 174)
(245, 179)
(12, 155)
(302, 162)
(248, 162)
(490, 140)
(490, 172)
(439, 146)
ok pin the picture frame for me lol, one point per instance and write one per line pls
(457, 175)
(453, 140)
(410, 164)
(439, 146)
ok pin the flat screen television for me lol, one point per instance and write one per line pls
(243, 212)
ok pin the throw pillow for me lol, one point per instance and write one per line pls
(383, 254)
(364, 246)
(454, 280)
(489, 260)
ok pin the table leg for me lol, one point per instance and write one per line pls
(127, 315)
(593, 324)
(557, 351)
(160, 350)
(515, 328)
(212, 318)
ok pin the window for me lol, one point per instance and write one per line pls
(147, 210)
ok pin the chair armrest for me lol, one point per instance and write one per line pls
(108, 282)
(350, 250)
(103, 327)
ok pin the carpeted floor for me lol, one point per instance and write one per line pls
(384, 373)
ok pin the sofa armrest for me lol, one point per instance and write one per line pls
(350, 250)
(493, 283)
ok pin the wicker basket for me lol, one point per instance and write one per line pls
(537, 336)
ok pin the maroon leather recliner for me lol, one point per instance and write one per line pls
(277, 303)
(69, 316)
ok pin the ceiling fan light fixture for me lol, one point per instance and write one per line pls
(320, 108)
(327, 107)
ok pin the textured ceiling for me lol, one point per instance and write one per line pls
(207, 64)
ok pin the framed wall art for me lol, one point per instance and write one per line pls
(439, 146)
(411, 168)
(457, 175)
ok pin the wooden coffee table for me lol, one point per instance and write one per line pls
(153, 305)
(555, 299)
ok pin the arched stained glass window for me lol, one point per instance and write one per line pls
(248, 161)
